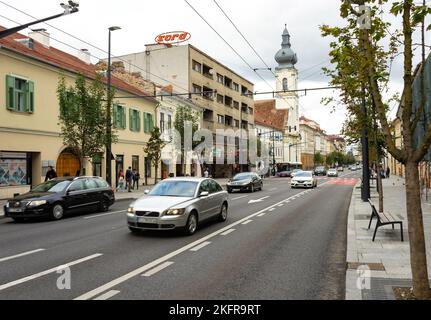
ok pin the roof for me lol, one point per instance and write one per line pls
(61, 60)
(266, 114)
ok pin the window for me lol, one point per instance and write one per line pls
(220, 119)
(148, 122)
(220, 98)
(285, 84)
(228, 101)
(228, 82)
(197, 89)
(169, 122)
(77, 186)
(220, 78)
(119, 117)
(197, 66)
(236, 105)
(15, 169)
(162, 122)
(135, 120)
(135, 163)
(90, 184)
(236, 123)
(19, 95)
(205, 186)
(250, 111)
(236, 87)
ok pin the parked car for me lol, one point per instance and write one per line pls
(179, 203)
(341, 169)
(61, 196)
(305, 179)
(332, 173)
(248, 181)
(284, 174)
(295, 172)
(320, 171)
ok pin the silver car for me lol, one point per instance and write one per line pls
(179, 203)
(304, 179)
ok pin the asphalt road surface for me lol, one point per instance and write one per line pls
(277, 244)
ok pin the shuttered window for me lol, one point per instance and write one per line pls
(119, 120)
(148, 122)
(134, 120)
(19, 94)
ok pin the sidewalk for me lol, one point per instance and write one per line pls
(388, 259)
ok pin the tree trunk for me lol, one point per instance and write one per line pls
(418, 258)
(156, 167)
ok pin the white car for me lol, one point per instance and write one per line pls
(332, 173)
(304, 179)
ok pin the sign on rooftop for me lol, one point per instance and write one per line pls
(173, 37)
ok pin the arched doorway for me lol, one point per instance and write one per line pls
(68, 164)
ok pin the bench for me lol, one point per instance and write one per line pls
(384, 219)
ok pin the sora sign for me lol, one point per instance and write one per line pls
(173, 37)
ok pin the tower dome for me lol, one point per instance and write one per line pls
(285, 57)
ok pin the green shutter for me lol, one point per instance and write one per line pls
(146, 123)
(115, 117)
(10, 92)
(30, 97)
(131, 123)
(123, 119)
(151, 122)
(138, 121)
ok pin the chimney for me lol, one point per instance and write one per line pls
(41, 36)
(84, 55)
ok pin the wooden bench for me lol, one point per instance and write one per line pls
(384, 219)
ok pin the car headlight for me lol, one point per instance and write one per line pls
(37, 203)
(130, 211)
(175, 212)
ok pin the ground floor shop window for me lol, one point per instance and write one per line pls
(15, 169)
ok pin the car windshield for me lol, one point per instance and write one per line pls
(185, 189)
(53, 186)
(303, 175)
(242, 176)
(320, 168)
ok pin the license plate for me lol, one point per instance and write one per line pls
(147, 220)
(15, 210)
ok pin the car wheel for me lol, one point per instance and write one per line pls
(57, 212)
(192, 225)
(223, 214)
(104, 205)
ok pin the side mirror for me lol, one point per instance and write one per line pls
(204, 194)
(146, 191)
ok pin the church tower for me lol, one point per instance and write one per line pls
(287, 79)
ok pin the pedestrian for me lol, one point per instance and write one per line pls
(388, 173)
(120, 186)
(136, 178)
(206, 173)
(51, 174)
(129, 178)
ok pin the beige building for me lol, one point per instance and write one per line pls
(313, 141)
(29, 132)
(225, 96)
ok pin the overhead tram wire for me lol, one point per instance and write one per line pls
(87, 43)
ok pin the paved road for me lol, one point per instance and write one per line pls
(290, 245)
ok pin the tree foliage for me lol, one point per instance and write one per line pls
(154, 148)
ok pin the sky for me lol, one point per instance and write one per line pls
(261, 22)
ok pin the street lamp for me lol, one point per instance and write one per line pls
(108, 113)
(69, 8)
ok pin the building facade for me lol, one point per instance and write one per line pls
(313, 140)
(30, 69)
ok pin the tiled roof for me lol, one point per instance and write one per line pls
(62, 60)
(267, 115)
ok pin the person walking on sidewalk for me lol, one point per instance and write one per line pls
(51, 174)
(388, 173)
(136, 178)
(129, 178)
(120, 186)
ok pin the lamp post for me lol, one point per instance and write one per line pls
(108, 113)
(69, 8)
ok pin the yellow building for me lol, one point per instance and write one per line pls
(396, 167)
(29, 132)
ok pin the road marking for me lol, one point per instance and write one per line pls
(21, 255)
(44, 273)
(262, 214)
(239, 198)
(247, 222)
(104, 214)
(228, 232)
(202, 245)
(157, 269)
(108, 295)
(95, 292)
(271, 210)
(258, 200)
(273, 189)
(281, 205)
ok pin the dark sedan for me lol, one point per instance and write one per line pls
(245, 182)
(58, 197)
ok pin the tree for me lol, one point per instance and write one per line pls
(318, 158)
(362, 56)
(154, 148)
(185, 114)
(83, 117)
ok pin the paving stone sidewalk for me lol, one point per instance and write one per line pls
(387, 257)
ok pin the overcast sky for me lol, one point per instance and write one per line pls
(262, 22)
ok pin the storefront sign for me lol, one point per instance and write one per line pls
(173, 37)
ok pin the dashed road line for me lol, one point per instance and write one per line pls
(157, 269)
(201, 246)
(247, 222)
(21, 255)
(262, 214)
(108, 295)
(239, 198)
(228, 232)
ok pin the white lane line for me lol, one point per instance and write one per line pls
(21, 255)
(46, 272)
(271, 210)
(107, 286)
(239, 198)
(281, 205)
(247, 222)
(107, 295)
(201, 246)
(104, 214)
(157, 269)
(262, 214)
(228, 232)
